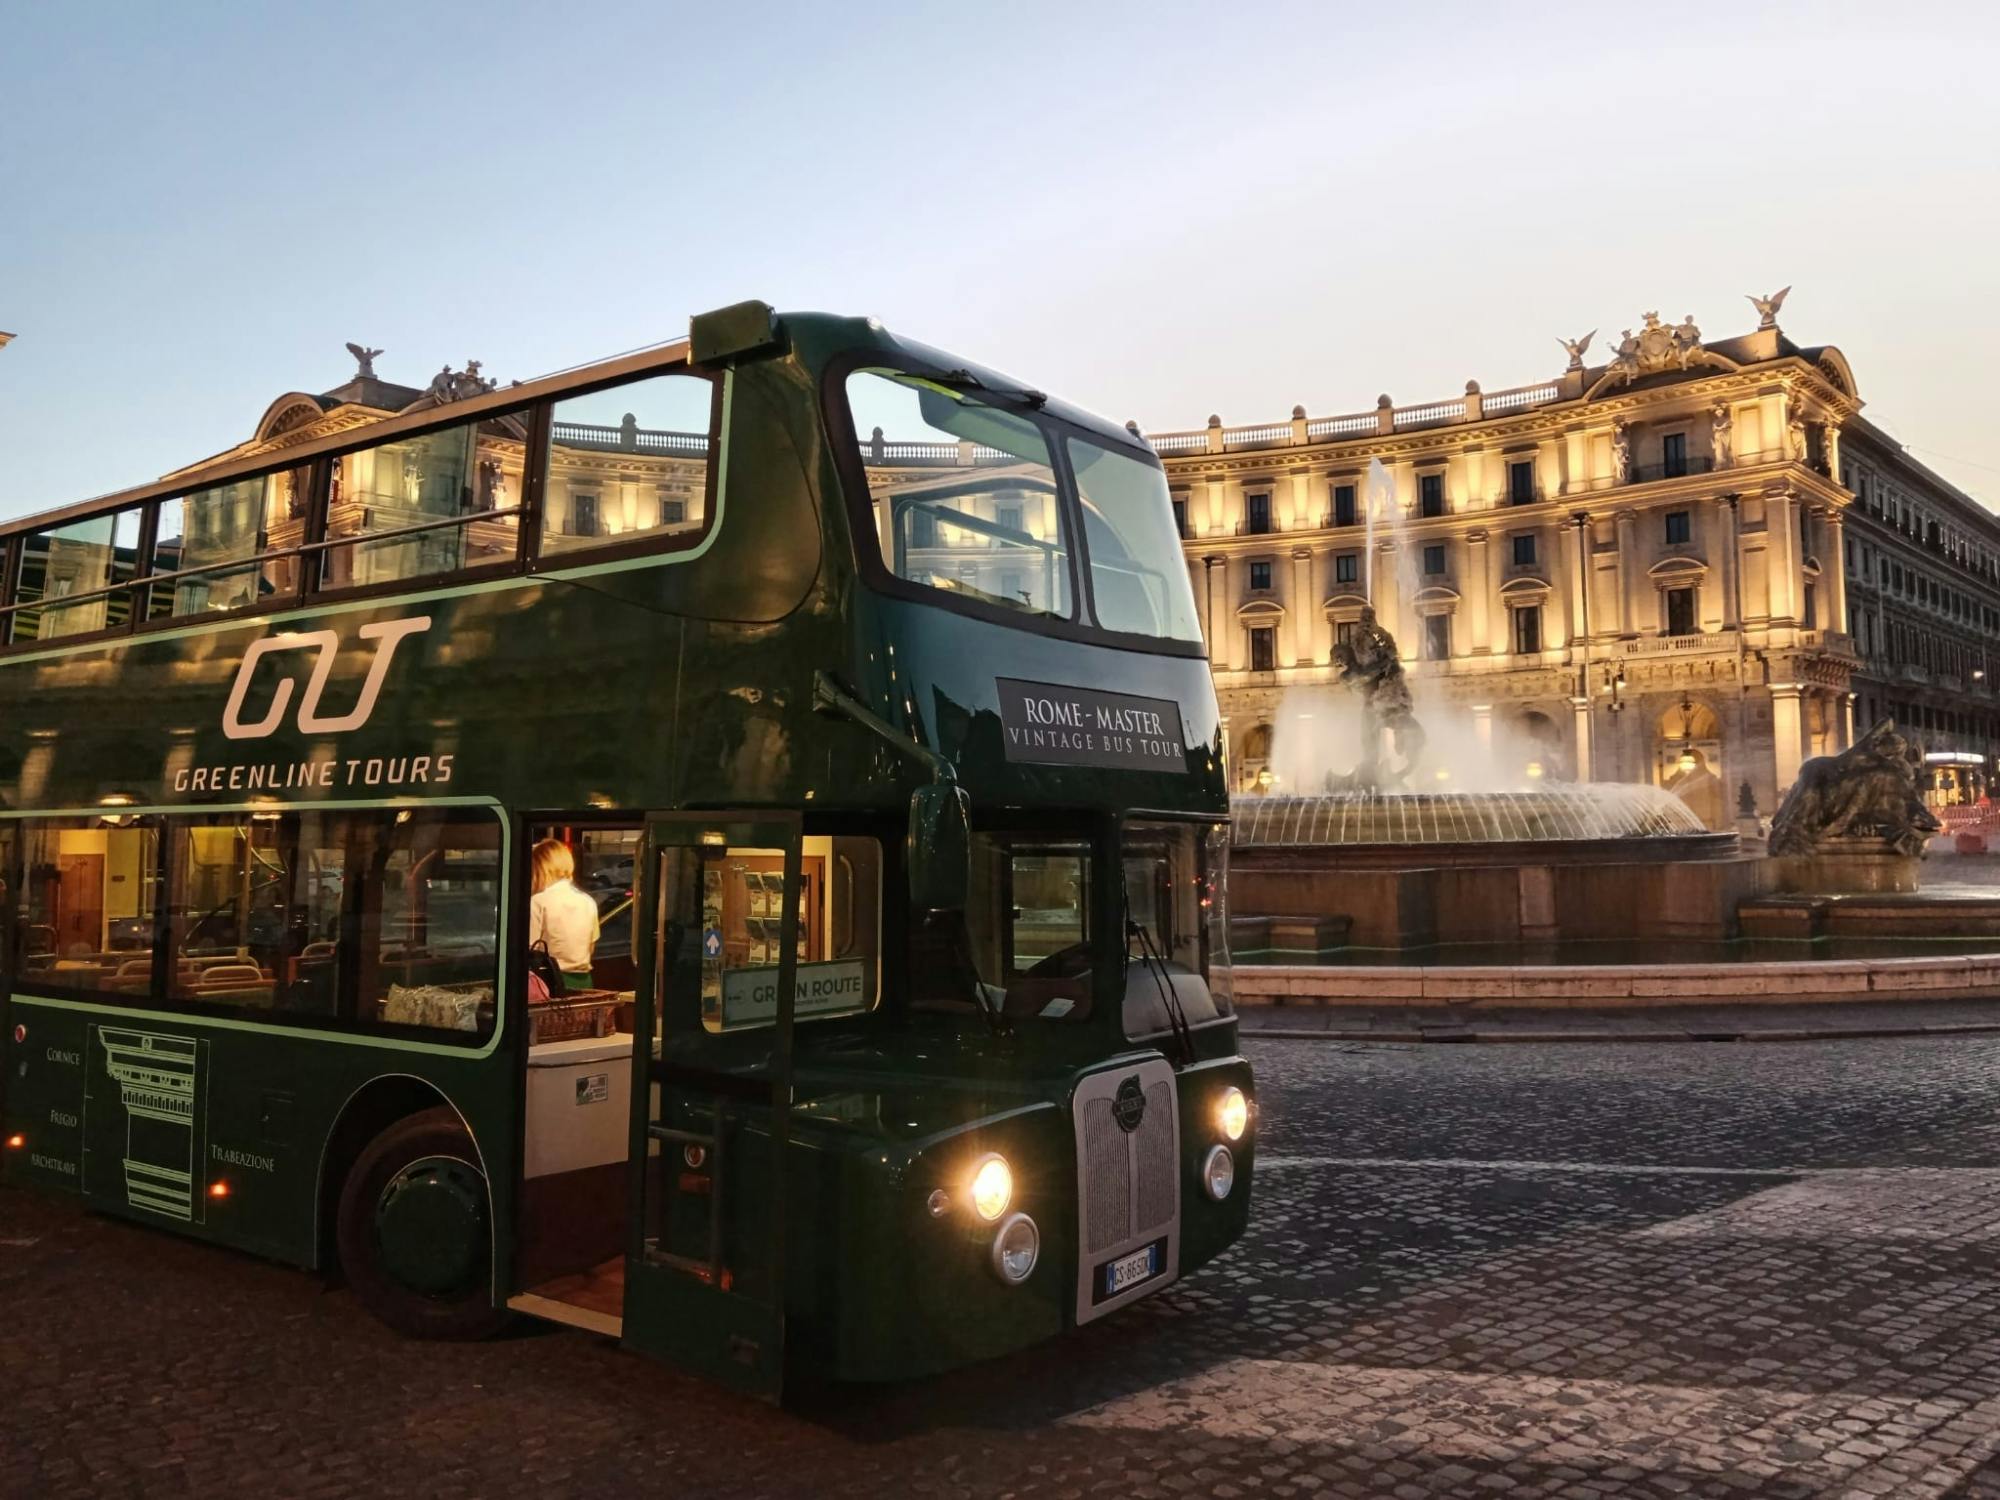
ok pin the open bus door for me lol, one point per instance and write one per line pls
(718, 936)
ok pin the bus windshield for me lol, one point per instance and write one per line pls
(969, 500)
(1138, 578)
(1026, 946)
(1021, 949)
(965, 494)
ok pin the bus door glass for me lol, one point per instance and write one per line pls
(726, 919)
(9, 902)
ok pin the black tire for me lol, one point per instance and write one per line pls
(424, 1153)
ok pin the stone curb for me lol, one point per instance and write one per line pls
(1442, 1035)
(1469, 988)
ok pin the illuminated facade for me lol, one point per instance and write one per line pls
(1695, 565)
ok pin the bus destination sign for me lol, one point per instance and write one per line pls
(1074, 726)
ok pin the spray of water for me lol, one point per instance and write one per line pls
(1318, 731)
(1378, 498)
(1316, 736)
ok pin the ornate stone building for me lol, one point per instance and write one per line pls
(1695, 565)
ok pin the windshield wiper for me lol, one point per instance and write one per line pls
(1170, 999)
(963, 379)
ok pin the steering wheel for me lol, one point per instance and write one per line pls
(1064, 963)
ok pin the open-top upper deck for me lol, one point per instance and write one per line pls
(537, 580)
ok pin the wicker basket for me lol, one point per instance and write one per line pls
(579, 1013)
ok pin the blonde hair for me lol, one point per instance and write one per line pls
(552, 862)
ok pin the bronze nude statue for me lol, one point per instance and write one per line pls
(1368, 658)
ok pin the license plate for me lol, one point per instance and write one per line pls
(1128, 1271)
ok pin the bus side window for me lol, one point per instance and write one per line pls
(629, 464)
(432, 503)
(427, 899)
(70, 578)
(239, 909)
(84, 914)
(381, 918)
(225, 547)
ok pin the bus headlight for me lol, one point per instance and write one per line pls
(992, 1187)
(1232, 1113)
(1218, 1173)
(1016, 1248)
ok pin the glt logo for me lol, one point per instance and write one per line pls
(387, 636)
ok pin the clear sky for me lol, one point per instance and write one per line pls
(1155, 211)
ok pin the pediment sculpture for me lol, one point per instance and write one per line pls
(1657, 346)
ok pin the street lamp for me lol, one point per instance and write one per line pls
(1687, 761)
(1614, 681)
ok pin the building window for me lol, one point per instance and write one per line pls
(1343, 631)
(1260, 514)
(1680, 527)
(1680, 612)
(1008, 517)
(1434, 558)
(1263, 648)
(1437, 637)
(1812, 604)
(1343, 505)
(673, 511)
(1673, 455)
(582, 515)
(1524, 550)
(1347, 567)
(1180, 515)
(1260, 575)
(1430, 494)
(1521, 481)
(1528, 630)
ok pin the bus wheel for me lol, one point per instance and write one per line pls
(416, 1231)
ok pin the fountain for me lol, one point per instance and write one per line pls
(1424, 838)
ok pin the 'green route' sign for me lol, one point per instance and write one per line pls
(750, 996)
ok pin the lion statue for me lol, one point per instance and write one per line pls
(1868, 789)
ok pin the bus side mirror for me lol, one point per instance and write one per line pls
(938, 852)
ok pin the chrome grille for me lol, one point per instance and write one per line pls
(1155, 1142)
(1128, 1181)
(1107, 1178)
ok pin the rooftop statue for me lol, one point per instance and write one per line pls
(1656, 347)
(1767, 307)
(455, 385)
(1577, 347)
(1368, 658)
(1866, 792)
(364, 359)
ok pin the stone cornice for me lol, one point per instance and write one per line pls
(1556, 419)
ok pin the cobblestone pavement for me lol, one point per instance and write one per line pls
(1577, 1270)
(1789, 1021)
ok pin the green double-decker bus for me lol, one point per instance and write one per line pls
(722, 847)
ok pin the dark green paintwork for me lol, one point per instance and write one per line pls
(677, 684)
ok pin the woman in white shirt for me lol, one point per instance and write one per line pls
(561, 915)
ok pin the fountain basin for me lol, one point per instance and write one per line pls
(1477, 827)
(1590, 861)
